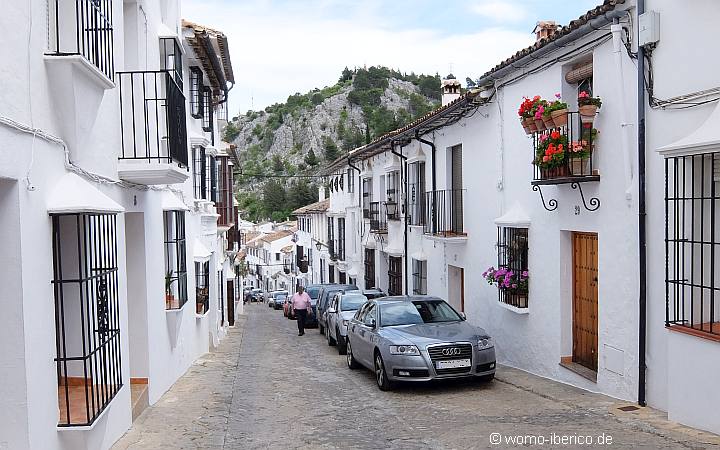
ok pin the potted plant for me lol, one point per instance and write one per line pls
(588, 106)
(526, 116)
(558, 112)
(511, 282)
(580, 151)
(550, 156)
(538, 110)
(169, 297)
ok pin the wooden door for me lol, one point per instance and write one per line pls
(231, 302)
(585, 300)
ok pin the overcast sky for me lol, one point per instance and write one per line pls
(280, 47)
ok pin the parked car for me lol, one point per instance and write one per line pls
(279, 299)
(256, 295)
(374, 293)
(270, 298)
(343, 307)
(417, 338)
(326, 294)
(246, 293)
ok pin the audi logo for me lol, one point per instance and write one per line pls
(451, 351)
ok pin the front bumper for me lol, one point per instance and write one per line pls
(421, 367)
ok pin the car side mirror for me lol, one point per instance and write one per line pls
(332, 311)
(370, 322)
(462, 314)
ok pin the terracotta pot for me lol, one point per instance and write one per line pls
(525, 127)
(540, 124)
(548, 121)
(579, 166)
(530, 123)
(554, 172)
(175, 304)
(560, 117)
(587, 113)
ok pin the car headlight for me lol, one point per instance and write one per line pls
(404, 350)
(484, 343)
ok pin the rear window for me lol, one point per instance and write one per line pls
(313, 292)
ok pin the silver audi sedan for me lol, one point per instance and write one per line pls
(417, 338)
(341, 310)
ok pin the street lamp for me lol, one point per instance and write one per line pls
(391, 208)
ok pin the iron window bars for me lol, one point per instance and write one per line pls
(87, 315)
(84, 28)
(366, 196)
(211, 178)
(577, 139)
(393, 183)
(369, 268)
(417, 193)
(202, 287)
(199, 179)
(171, 59)
(512, 248)
(196, 92)
(341, 238)
(207, 119)
(691, 242)
(152, 118)
(419, 277)
(378, 217)
(331, 238)
(224, 202)
(175, 259)
(395, 276)
(221, 297)
(444, 213)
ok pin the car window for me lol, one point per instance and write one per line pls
(352, 302)
(360, 315)
(313, 292)
(371, 313)
(421, 311)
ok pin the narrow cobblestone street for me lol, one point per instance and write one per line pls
(244, 396)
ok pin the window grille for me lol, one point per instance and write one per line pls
(196, 92)
(207, 120)
(202, 286)
(175, 259)
(342, 277)
(221, 296)
(87, 315)
(331, 238)
(419, 277)
(367, 196)
(331, 273)
(692, 254)
(171, 58)
(341, 239)
(416, 193)
(211, 179)
(199, 180)
(395, 276)
(369, 268)
(83, 27)
(512, 250)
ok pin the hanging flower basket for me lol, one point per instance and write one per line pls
(539, 124)
(560, 117)
(554, 172)
(588, 107)
(530, 124)
(548, 121)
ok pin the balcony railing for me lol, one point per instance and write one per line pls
(331, 249)
(152, 118)
(84, 28)
(444, 213)
(378, 217)
(564, 154)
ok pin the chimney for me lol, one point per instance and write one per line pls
(450, 89)
(545, 29)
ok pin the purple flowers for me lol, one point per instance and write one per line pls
(507, 279)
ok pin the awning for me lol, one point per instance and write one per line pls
(200, 252)
(514, 217)
(705, 139)
(72, 194)
(170, 202)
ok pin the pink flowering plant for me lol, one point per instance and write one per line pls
(513, 282)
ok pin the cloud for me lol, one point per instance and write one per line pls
(500, 11)
(278, 50)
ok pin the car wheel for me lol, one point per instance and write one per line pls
(330, 340)
(341, 343)
(381, 377)
(486, 378)
(351, 362)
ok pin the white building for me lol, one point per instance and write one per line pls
(468, 198)
(117, 207)
(311, 246)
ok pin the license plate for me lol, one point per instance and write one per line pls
(452, 364)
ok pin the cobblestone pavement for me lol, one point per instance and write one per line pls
(265, 387)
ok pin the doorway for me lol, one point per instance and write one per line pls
(585, 300)
(456, 287)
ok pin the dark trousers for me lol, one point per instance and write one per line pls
(301, 316)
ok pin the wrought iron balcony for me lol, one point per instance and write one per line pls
(444, 213)
(378, 217)
(83, 28)
(153, 128)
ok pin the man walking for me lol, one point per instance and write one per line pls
(302, 307)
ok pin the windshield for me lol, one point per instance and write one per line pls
(282, 296)
(352, 302)
(420, 311)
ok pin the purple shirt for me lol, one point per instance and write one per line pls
(301, 301)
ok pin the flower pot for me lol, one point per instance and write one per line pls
(587, 113)
(199, 308)
(540, 124)
(560, 117)
(548, 121)
(553, 172)
(530, 123)
(525, 127)
(579, 166)
(169, 298)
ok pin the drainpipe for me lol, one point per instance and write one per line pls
(618, 50)
(405, 210)
(434, 177)
(642, 336)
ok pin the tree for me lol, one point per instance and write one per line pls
(332, 152)
(301, 193)
(277, 164)
(311, 159)
(274, 198)
(231, 132)
(346, 75)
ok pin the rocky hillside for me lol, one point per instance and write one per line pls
(308, 130)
